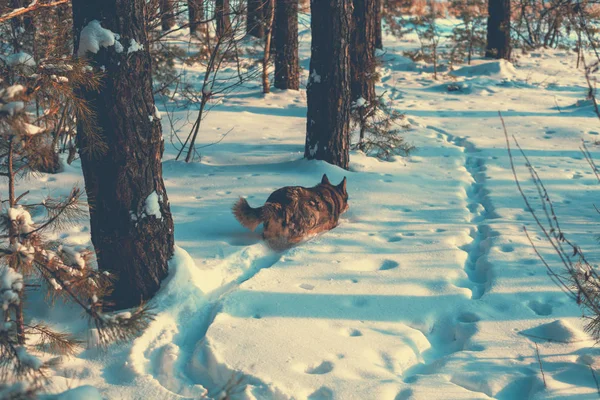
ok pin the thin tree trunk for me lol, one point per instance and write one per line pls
(287, 70)
(167, 15)
(498, 30)
(267, 52)
(378, 31)
(255, 18)
(328, 91)
(196, 14)
(222, 17)
(131, 223)
(362, 50)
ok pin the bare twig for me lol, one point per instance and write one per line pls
(537, 351)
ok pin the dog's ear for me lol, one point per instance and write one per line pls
(342, 185)
(324, 180)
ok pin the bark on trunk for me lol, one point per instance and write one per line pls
(328, 91)
(222, 17)
(362, 50)
(287, 74)
(196, 14)
(255, 18)
(167, 15)
(378, 32)
(498, 30)
(131, 223)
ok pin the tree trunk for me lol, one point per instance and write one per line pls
(255, 18)
(287, 74)
(267, 52)
(378, 32)
(222, 17)
(362, 50)
(196, 14)
(167, 15)
(328, 91)
(131, 223)
(498, 29)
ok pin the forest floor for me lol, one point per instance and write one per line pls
(428, 289)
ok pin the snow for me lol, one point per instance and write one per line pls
(11, 282)
(315, 77)
(134, 46)
(157, 113)
(556, 331)
(82, 392)
(16, 390)
(13, 107)
(360, 102)
(31, 129)
(497, 69)
(55, 284)
(28, 359)
(427, 289)
(93, 36)
(152, 205)
(72, 257)
(11, 91)
(21, 218)
(18, 59)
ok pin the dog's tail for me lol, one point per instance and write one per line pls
(246, 215)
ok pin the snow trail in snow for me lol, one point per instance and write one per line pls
(477, 267)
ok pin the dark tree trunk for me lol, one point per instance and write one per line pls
(287, 75)
(222, 17)
(255, 18)
(328, 90)
(167, 15)
(498, 29)
(378, 33)
(362, 50)
(131, 223)
(196, 14)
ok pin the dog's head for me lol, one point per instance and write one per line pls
(340, 190)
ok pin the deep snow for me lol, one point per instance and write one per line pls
(428, 289)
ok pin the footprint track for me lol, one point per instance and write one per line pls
(482, 212)
(324, 367)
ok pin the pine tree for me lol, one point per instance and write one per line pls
(131, 223)
(287, 74)
(328, 91)
(38, 101)
(498, 29)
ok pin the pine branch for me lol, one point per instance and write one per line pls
(35, 5)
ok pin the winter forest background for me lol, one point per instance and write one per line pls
(466, 266)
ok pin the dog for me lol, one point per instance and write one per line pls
(294, 213)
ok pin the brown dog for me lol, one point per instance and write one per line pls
(294, 213)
